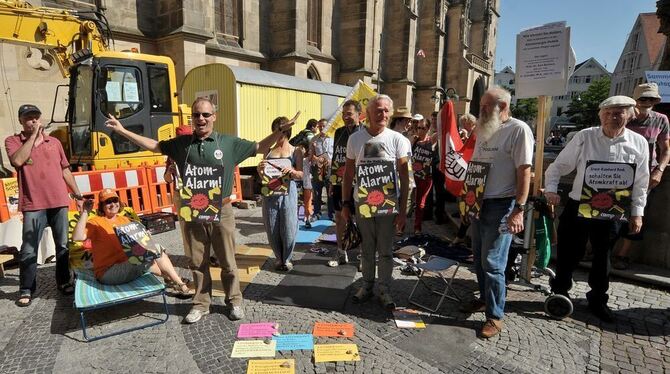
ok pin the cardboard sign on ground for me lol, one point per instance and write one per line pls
(408, 319)
(336, 352)
(286, 366)
(257, 330)
(294, 342)
(337, 330)
(254, 348)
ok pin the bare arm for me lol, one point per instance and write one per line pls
(79, 232)
(347, 184)
(403, 172)
(663, 158)
(18, 158)
(144, 142)
(515, 219)
(297, 173)
(69, 180)
(265, 144)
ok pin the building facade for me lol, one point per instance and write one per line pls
(585, 73)
(416, 51)
(642, 52)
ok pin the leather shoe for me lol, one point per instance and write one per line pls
(491, 328)
(474, 306)
(602, 311)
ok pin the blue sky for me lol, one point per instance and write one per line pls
(598, 28)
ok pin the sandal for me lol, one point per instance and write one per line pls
(66, 289)
(181, 290)
(24, 304)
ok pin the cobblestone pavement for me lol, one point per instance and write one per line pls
(46, 337)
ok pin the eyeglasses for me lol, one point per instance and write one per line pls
(646, 99)
(112, 200)
(204, 115)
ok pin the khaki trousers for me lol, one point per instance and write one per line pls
(200, 239)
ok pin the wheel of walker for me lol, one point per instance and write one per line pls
(558, 306)
(550, 273)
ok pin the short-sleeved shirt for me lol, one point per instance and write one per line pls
(339, 154)
(654, 128)
(105, 246)
(323, 144)
(216, 149)
(507, 149)
(40, 178)
(388, 145)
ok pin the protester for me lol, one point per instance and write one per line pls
(351, 109)
(611, 142)
(43, 176)
(555, 139)
(506, 144)
(468, 123)
(402, 123)
(422, 156)
(377, 146)
(307, 190)
(280, 211)
(401, 120)
(321, 152)
(208, 147)
(439, 192)
(654, 127)
(110, 262)
(305, 135)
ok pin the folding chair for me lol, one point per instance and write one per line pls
(436, 266)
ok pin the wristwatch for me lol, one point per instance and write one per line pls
(521, 207)
(76, 196)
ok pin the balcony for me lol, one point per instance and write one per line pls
(478, 62)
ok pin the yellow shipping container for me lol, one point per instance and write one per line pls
(248, 100)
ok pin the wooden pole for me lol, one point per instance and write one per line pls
(543, 109)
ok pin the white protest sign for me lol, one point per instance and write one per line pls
(543, 59)
(609, 176)
(662, 79)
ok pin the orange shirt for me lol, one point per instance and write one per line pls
(105, 246)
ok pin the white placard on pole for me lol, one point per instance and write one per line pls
(662, 79)
(543, 61)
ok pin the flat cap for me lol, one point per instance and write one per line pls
(28, 108)
(646, 90)
(614, 101)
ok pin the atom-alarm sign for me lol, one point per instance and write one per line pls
(201, 199)
(377, 188)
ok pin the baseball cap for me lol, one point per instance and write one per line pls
(615, 101)
(646, 90)
(28, 108)
(417, 117)
(107, 193)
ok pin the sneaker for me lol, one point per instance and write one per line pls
(288, 266)
(621, 262)
(491, 328)
(236, 313)
(362, 295)
(195, 315)
(340, 258)
(308, 225)
(386, 301)
(602, 311)
(474, 306)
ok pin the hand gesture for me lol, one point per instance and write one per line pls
(38, 128)
(87, 205)
(552, 198)
(399, 221)
(114, 124)
(290, 122)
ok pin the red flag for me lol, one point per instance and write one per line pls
(454, 155)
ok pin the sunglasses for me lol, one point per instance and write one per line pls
(112, 200)
(646, 99)
(204, 115)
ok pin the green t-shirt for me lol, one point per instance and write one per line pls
(217, 149)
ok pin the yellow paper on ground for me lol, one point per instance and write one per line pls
(286, 366)
(249, 262)
(336, 352)
(254, 348)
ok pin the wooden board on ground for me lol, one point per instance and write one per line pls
(249, 262)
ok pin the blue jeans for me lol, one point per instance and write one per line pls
(490, 249)
(34, 223)
(280, 216)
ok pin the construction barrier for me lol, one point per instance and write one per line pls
(144, 189)
(130, 184)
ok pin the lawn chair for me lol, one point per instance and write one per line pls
(436, 266)
(89, 294)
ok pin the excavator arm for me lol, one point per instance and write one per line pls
(68, 35)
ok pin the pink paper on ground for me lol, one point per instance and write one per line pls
(257, 330)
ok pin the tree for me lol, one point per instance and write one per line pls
(525, 109)
(583, 109)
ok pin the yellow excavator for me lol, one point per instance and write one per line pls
(139, 89)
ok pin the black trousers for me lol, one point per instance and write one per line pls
(573, 233)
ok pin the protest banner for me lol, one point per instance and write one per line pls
(200, 194)
(606, 191)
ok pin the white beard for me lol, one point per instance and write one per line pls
(488, 125)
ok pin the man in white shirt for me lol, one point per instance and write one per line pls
(321, 154)
(506, 144)
(610, 143)
(377, 156)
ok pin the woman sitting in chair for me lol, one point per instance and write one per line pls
(110, 263)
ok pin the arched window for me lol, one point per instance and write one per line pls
(312, 73)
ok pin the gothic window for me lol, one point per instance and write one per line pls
(314, 23)
(227, 17)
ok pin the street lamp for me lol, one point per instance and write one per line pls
(441, 95)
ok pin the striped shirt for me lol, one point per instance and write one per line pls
(654, 128)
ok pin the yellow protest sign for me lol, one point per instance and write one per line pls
(336, 352)
(361, 93)
(254, 348)
(286, 366)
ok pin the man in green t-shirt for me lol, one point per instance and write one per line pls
(208, 147)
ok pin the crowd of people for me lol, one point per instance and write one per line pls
(395, 152)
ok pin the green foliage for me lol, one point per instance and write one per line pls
(525, 109)
(583, 109)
